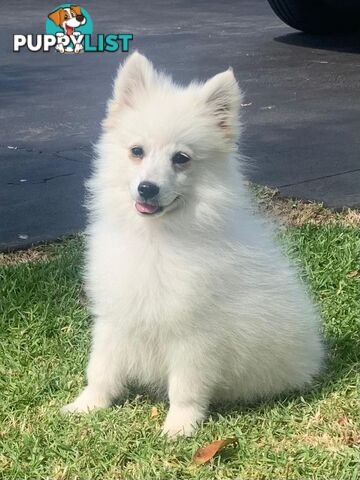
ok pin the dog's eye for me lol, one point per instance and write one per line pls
(137, 152)
(180, 158)
(66, 16)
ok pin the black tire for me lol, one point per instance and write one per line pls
(316, 16)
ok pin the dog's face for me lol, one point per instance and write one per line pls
(68, 18)
(164, 141)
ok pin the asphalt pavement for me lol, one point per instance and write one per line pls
(301, 106)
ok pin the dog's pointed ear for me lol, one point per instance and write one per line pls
(55, 16)
(222, 97)
(134, 77)
(76, 9)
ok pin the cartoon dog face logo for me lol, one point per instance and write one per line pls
(68, 18)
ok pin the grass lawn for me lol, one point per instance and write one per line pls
(44, 348)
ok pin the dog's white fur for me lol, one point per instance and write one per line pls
(198, 300)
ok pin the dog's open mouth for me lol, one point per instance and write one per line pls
(147, 208)
(69, 30)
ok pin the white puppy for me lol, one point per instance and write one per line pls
(189, 291)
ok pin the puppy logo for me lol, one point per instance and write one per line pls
(69, 19)
(69, 29)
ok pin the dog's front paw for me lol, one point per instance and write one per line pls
(174, 430)
(182, 421)
(78, 48)
(88, 400)
(60, 48)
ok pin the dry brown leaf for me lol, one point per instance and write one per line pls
(154, 412)
(204, 454)
(353, 274)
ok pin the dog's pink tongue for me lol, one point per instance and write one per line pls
(145, 207)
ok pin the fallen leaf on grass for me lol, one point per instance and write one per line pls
(204, 454)
(353, 274)
(154, 412)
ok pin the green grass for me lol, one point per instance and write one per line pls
(44, 346)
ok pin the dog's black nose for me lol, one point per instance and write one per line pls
(148, 190)
(80, 18)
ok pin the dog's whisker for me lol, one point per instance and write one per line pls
(181, 197)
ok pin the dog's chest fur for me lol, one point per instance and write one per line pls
(152, 284)
(159, 296)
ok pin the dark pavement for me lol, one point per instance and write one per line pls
(301, 107)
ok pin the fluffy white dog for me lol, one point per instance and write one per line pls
(189, 291)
